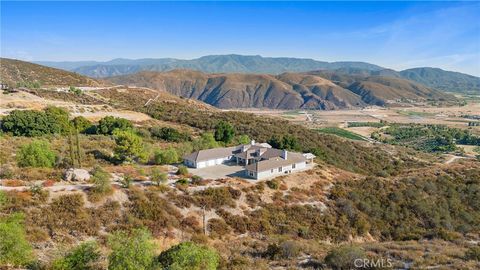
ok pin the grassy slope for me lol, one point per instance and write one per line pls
(346, 155)
(15, 71)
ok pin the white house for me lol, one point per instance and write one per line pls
(260, 160)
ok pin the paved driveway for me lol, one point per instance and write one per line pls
(219, 171)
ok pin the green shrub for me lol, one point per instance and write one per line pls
(126, 181)
(182, 181)
(167, 156)
(188, 255)
(206, 141)
(284, 250)
(196, 179)
(169, 134)
(101, 181)
(85, 256)
(473, 253)
(344, 257)
(224, 132)
(285, 142)
(76, 91)
(242, 139)
(14, 248)
(108, 124)
(158, 177)
(131, 250)
(129, 146)
(36, 123)
(36, 154)
(182, 170)
(273, 184)
(81, 123)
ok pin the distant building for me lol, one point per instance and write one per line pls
(260, 159)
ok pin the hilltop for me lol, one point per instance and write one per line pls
(21, 72)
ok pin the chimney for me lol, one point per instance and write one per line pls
(252, 142)
(284, 154)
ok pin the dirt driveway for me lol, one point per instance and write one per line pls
(219, 171)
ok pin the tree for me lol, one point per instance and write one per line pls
(14, 247)
(129, 146)
(85, 256)
(285, 142)
(224, 132)
(131, 251)
(81, 123)
(242, 139)
(32, 123)
(158, 177)
(188, 255)
(206, 141)
(58, 120)
(36, 154)
(169, 134)
(101, 181)
(108, 124)
(167, 156)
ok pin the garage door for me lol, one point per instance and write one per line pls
(211, 162)
(201, 164)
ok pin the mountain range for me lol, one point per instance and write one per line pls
(310, 90)
(431, 77)
(322, 89)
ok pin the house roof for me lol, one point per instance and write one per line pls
(276, 162)
(209, 154)
(309, 155)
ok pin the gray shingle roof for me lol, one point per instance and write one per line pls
(209, 154)
(275, 162)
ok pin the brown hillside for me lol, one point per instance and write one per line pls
(16, 71)
(316, 90)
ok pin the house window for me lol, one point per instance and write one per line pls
(250, 173)
(279, 169)
(293, 165)
(272, 171)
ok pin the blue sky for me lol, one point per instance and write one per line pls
(396, 35)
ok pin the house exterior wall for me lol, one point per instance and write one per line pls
(276, 172)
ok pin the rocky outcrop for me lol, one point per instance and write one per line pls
(76, 175)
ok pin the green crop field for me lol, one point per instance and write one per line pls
(341, 133)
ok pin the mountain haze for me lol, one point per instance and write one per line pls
(232, 63)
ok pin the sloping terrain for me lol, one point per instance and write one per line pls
(16, 71)
(316, 90)
(443, 80)
(435, 78)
